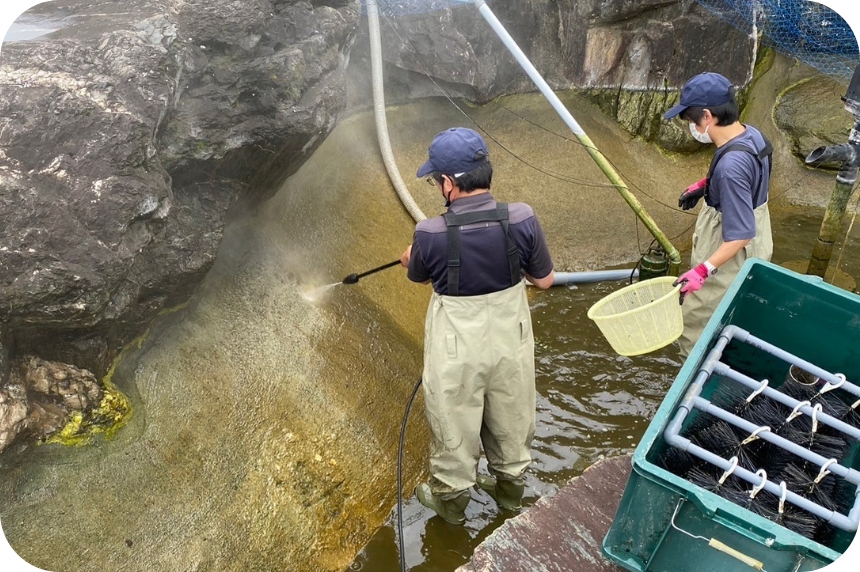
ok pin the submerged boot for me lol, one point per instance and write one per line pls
(507, 494)
(453, 511)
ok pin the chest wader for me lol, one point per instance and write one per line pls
(479, 379)
(708, 236)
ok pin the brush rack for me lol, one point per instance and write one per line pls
(761, 389)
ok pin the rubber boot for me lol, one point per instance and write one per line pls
(453, 511)
(507, 494)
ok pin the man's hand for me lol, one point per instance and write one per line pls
(692, 280)
(407, 254)
(542, 283)
(692, 194)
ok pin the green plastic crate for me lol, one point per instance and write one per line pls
(802, 315)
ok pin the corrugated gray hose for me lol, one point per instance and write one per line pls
(379, 114)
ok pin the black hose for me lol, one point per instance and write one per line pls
(400, 478)
(638, 264)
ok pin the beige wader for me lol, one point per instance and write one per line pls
(479, 387)
(708, 236)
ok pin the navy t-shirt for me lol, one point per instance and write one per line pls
(739, 184)
(484, 266)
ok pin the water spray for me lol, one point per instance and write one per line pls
(317, 293)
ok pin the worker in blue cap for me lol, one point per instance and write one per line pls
(479, 371)
(734, 223)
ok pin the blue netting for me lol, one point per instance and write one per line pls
(808, 31)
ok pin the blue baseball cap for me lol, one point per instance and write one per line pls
(707, 89)
(454, 152)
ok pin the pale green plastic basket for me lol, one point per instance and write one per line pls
(640, 318)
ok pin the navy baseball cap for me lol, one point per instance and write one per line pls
(454, 152)
(707, 89)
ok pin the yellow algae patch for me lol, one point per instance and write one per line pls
(172, 309)
(109, 416)
(70, 434)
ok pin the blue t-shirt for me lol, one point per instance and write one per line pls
(740, 184)
(484, 264)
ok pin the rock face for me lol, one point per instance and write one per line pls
(126, 140)
(805, 114)
(40, 396)
(127, 137)
(630, 56)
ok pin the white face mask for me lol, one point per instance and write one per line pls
(700, 137)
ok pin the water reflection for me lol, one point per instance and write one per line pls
(250, 388)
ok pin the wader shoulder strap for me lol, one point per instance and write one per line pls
(767, 151)
(456, 221)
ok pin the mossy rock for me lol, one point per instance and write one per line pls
(641, 114)
(811, 113)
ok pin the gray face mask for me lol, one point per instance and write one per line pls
(700, 137)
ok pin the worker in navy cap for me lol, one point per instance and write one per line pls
(479, 372)
(734, 222)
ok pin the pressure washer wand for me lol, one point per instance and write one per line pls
(353, 278)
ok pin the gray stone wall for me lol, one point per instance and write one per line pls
(125, 139)
(630, 57)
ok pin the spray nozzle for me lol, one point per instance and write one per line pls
(353, 278)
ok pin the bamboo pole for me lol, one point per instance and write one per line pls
(831, 226)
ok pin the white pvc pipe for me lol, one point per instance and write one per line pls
(524, 62)
(562, 278)
(599, 158)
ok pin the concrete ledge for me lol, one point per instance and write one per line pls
(559, 533)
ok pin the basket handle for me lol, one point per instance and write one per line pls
(748, 560)
(716, 544)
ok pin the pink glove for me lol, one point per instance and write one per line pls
(692, 194)
(692, 280)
